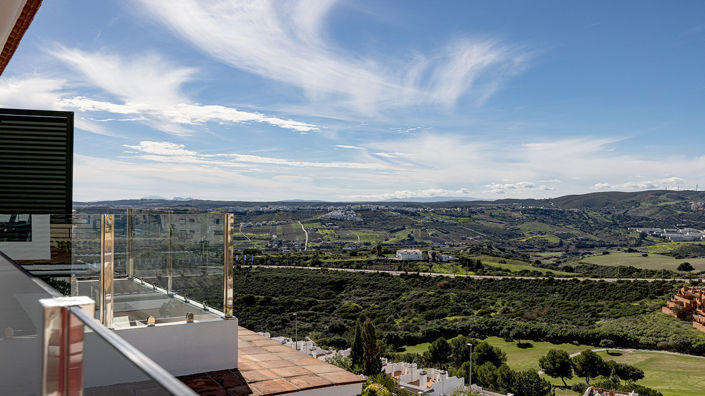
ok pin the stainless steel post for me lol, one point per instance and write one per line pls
(170, 255)
(130, 243)
(107, 264)
(62, 345)
(228, 266)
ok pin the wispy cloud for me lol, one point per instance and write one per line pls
(422, 193)
(147, 89)
(348, 147)
(503, 188)
(669, 182)
(171, 152)
(287, 42)
(150, 86)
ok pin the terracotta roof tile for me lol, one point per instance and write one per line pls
(274, 387)
(18, 30)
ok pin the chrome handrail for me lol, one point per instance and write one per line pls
(167, 381)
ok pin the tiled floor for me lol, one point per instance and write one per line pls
(271, 368)
(266, 367)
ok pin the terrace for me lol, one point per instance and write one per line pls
(132, 281)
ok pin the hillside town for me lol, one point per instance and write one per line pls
(688, 304)
(673, 234)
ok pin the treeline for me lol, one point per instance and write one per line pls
(411, 309)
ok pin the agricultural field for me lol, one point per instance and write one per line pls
(652, 261)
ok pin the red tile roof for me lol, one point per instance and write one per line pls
(21, 25)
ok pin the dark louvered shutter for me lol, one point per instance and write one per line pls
(36, 161)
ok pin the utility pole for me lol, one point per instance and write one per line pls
(296, 331)
(470, 367)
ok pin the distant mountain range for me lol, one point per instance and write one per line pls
(640, 203)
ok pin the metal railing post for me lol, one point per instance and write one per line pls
(107, 264)
(62, 345)
(130, 243)
(228, 265)
(170, 255)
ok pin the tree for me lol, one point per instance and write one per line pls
(378, 248)
(557, 364)
(607, 344)
(486, 375)
(529, 383)
(370, 362)
(459, 350)
(380, 384)
(485, 352)
(517, 334)
(685, 266)
(357, 348)
(588, 365)
(624, 371)
(439, 351)
(506, 380)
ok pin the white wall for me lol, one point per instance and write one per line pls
(40, 246)
(181, 349)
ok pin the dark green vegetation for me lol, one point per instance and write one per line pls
(408, 310)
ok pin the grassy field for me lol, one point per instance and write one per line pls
(652, 261)
(673, 375)
(670, 374)
(517, 265)
(667, 247)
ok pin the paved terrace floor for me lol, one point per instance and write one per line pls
(267, 367)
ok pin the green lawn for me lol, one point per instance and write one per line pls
(652, 261)
(673, 375)
(667, 247)
(517, 265)
(528, 358)
(418, 348)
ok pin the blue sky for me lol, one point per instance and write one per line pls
(368, 100)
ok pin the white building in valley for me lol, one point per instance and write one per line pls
(410, 255)
(427, 381)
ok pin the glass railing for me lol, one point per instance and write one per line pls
(130, 372)
(140, 267)
(20, 329)
(54, 345)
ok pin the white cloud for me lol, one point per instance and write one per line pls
(348, 147)
(148, 87)
(287, 42)
(669, 182)
(436, 166)
(424, 193)
(173, 152)
(503, 188)
(161, 148)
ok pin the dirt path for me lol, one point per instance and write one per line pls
(305, 232)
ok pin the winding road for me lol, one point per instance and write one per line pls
(435, 274)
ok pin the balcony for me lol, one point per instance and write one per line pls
(157, 285)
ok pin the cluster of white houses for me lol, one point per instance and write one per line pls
(673, 234)
(427, 381)
(309, 348)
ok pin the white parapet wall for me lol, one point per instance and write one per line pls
(338, 390)
(181, 349)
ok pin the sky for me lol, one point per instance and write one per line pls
(370, 100)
